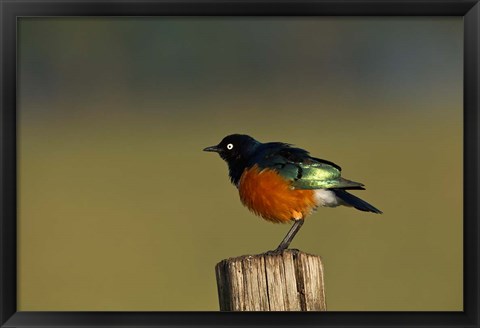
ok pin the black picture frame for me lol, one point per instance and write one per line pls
(11, 10)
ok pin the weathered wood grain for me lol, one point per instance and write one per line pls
(288, 281)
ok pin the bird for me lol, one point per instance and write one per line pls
(282, 183)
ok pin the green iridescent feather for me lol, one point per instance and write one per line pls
(307, 172)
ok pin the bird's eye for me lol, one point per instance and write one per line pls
(229, 146)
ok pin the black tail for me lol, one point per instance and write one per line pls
(356, 202)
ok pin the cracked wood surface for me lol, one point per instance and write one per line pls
(288, 281)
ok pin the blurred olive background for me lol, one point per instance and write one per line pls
(119, 208)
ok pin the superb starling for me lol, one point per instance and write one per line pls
(282, 183)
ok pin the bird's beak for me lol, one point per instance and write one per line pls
(212, 148)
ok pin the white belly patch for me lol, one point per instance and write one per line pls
(325, 197)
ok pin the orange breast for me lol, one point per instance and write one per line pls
(269, 195)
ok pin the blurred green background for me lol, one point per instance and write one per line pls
(119, 208)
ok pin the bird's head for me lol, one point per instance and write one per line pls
(235, 148)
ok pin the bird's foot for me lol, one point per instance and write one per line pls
(279, 251)
(276, 251)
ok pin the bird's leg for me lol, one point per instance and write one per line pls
(289, 237)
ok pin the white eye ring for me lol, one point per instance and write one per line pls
(230, 146)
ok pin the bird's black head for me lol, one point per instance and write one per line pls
(235, 149)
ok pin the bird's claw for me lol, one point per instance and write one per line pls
(277, 251)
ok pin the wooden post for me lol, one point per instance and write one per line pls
(287, 281)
